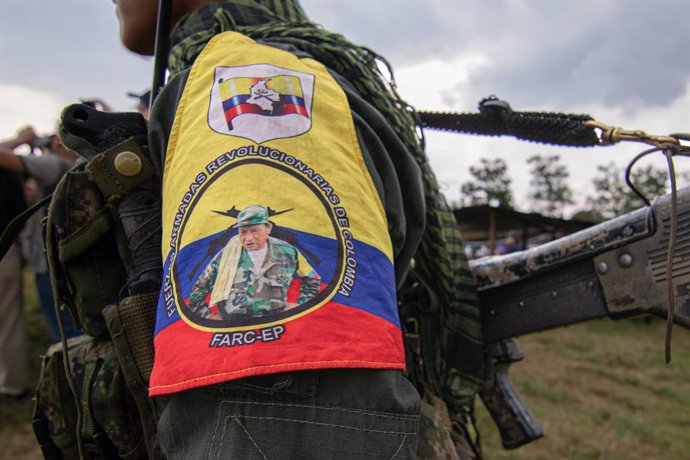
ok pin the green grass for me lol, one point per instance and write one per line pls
(16, 436)
(600, 390)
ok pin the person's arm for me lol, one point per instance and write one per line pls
(310, 281)
(10, 160)
(200, 294)
(25, 136)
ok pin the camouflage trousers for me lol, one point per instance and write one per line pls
(437, 439)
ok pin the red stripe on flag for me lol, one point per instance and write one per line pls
(334, 336)
(295, 286)
(241, 109)
(286, 109)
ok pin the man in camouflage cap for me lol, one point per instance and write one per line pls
(251, 276)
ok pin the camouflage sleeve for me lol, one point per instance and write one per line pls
(310, 280)
(203, 286)
(309, 288)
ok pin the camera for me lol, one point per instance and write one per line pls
(42, 142)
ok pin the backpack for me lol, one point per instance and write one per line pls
(102, 246)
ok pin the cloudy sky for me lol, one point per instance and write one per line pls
(625, 62)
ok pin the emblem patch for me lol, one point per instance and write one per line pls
(277, 256)
(260, 102)
(246, 257)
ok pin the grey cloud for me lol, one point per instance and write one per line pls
(404, 31)
(616, 60)
(68, 47)
(624, 53)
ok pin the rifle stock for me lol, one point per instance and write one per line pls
(617, 269)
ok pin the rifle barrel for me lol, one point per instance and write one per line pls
(617, 268)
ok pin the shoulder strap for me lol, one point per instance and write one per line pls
(13, 228)
(496, 118)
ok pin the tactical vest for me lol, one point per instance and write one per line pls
(259, 126)
(104, 216)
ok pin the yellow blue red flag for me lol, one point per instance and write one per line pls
(276, 247)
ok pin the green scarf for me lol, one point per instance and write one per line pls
(441, 283)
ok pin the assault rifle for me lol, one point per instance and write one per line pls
(617, 269)
(635, 264)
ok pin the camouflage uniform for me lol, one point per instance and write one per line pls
(256, 291)
(107, 408)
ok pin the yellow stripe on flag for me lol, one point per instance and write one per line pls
(286, 84)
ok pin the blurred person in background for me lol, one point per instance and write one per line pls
(143, 104)
(98, 104)
(13, 358)
(45, 171)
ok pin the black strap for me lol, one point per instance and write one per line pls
(49, 449)
(496, 118)
(161, 48)
(13, 228)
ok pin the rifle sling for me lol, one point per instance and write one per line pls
(496, 118)
(9, 235)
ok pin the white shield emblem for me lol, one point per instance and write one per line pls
(260, 102)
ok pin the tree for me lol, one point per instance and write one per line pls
(491, 185)
(550, 192)
(614, 197)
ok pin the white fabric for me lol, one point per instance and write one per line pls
(258, 256)
(227, 268)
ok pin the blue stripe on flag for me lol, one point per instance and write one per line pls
(373, 290)
(235, 100)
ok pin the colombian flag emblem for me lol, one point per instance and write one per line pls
(261, 102)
